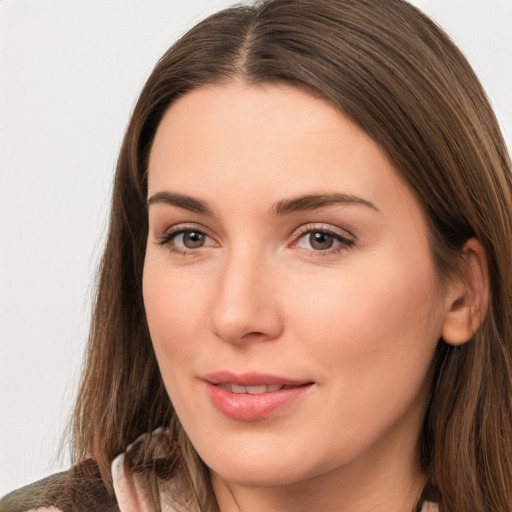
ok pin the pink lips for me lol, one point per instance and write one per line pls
(263, 394)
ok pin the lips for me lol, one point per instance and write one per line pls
(252, 396)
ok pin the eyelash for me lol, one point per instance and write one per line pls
(345, 243)
(167, 239)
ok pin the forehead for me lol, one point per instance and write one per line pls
(265, 142)
(238, 119)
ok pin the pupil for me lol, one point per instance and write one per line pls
(320, 240)
(193, 239)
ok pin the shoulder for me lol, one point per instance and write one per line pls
(80, 489)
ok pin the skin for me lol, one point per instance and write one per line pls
(361, 319)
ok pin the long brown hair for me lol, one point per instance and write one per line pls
(393, 72)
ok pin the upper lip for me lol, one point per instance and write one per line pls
(252, 379)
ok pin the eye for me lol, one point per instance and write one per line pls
(319, 240)
(184, 240)
(190, 239)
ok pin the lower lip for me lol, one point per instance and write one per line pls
(245, 407)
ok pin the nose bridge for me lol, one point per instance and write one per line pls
(246, 305)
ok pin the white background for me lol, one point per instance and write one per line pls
(70, 72)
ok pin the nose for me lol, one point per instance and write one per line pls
(246, 306)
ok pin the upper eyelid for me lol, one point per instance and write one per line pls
(296, 233)
(186, 226)
(321, 226)
(170, 232)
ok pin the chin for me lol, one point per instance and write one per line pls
(254, 467)
(265, 475)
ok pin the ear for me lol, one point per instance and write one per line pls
(467, 296)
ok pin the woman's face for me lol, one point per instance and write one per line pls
(289, 290)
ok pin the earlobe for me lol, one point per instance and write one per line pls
(467, 296)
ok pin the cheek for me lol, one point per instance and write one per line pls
(175, 307)
(378, 322)
(175, 320)
(369, 302)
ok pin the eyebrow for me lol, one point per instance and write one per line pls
(315, 201)
(283, 207)
(181, 201)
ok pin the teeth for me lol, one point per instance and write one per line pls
(250, 390)
(255, 390)
(235, 388)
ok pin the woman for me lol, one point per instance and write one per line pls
(302, 298)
